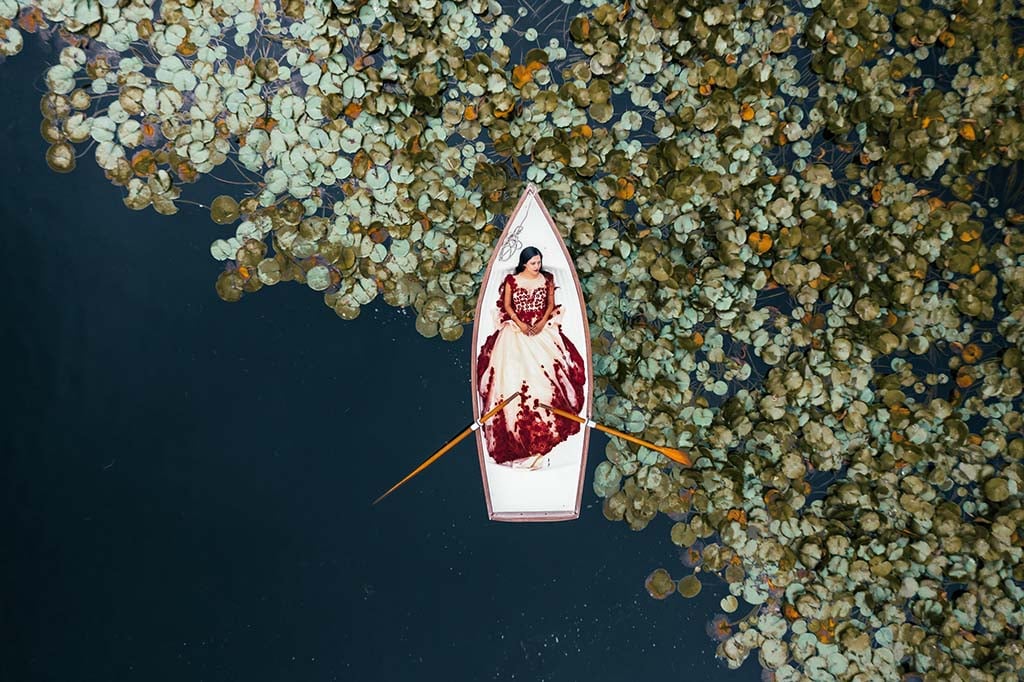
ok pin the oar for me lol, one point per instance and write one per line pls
(450, 444)
(673, 454)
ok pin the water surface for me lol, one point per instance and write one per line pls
(188, 482)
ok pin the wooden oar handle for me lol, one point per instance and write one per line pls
(499, 407)
(563, 413)
(673, 454)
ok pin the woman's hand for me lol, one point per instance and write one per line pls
(523, 327)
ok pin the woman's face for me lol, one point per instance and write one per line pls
(533, 265)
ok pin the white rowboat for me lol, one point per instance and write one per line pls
(552, 493)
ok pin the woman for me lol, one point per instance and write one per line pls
(530, 354)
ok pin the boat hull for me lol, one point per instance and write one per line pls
(552, 493)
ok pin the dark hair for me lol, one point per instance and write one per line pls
(525, 255)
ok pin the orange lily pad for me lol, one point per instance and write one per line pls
(624, 189)
(760, 242)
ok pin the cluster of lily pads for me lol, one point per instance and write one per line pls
(785, 216)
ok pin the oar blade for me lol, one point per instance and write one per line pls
(447, 446)
(675, 455)
(427, 462)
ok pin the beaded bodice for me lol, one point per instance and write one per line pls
(528, 302)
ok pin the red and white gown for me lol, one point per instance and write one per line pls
(546, 368)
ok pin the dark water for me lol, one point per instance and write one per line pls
(187, 483)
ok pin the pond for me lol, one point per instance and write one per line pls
(797, 228)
